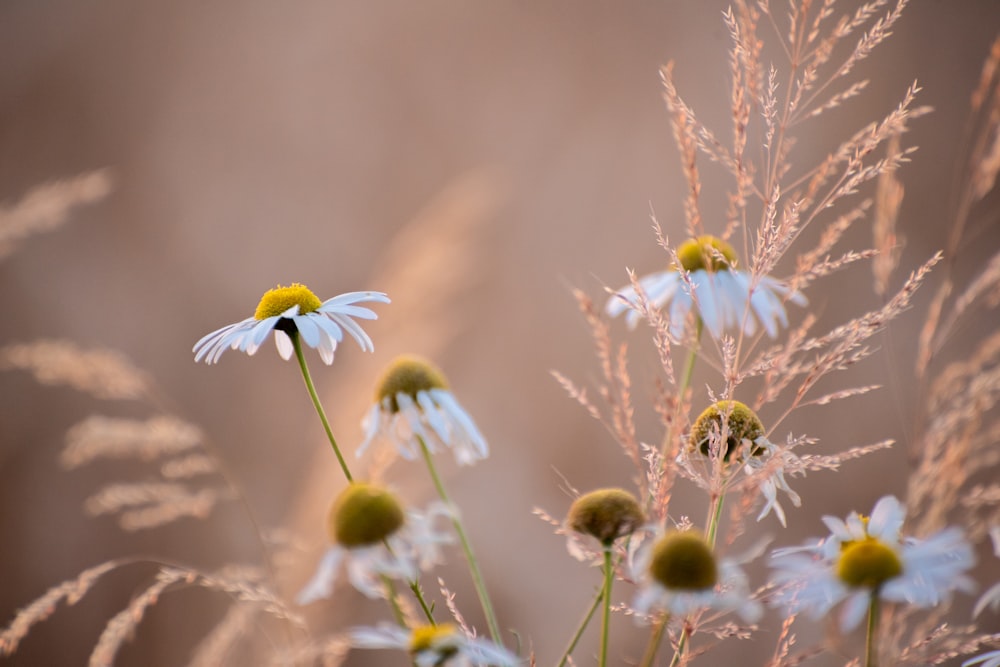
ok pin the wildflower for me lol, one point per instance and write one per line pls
(434, 645)
(866, 556)
(373, 537)
(412, 401)
(679, 574)
(743, 432)
(603, 515)
(290, 310)
(706, 276)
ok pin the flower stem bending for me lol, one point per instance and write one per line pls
(319, 406)
(477, 577)
(583, 626)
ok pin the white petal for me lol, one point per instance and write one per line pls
(321, 584)
(284, 344)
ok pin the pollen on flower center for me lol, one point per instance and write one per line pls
(683, 561)
(364, 514)
(742, 423)
(606, 514)
(708, 253)
(278, 300)
(868, 563)
(408, 375)
(428, 637)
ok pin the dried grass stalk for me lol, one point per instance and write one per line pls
(101, 373)
(99, 437)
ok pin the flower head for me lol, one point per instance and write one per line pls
(680, 574)
(412, 402)
(434, 645)
(706, 276)
(605, 514)
(372, 537)
(730, 430)
(294, 310)
(865, 556)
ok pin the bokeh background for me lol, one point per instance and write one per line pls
(478, 161)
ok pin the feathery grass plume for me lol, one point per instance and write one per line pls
(48, 206)
(222, 640)
(100, 372)
(123, 624)
(71, 590)
(145, 505)
(188, 466)
(99, 437)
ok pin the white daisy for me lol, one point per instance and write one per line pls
(435, 645)
(864, 556)
(988, 659)
(763, 462)
(712, 283)
(412, 401)
(678, 573)
(290, 310)
(373, 537)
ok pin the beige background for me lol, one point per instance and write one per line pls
(521, 146)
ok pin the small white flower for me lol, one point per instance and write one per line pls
(866, 556)
(679, 574)
(290, 310)
(413, 403)
(434, 645)
(711, 282)
(373, 537)
(988, 659)
(770, 466)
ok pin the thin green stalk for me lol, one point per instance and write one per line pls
(681, 645)
(319, 406)
(715, 513)
(609, 577)
(685, 383)
(477, 577)
(583, 626)
(397, 612)
(871, 640)
(419, 594)
(655, 637)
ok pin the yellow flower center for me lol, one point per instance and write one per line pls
(606, 514)
(708, 253)
(364, 514)
(868, 563)
(741, 422)
(278, 300)
(408, 375)
(683, 561)
(438, 638)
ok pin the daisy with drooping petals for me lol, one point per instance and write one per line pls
(374, 537)
(435, 645)
(711, 282)
(679, 574)
(865, 559)
(412, 401)
(290, 311)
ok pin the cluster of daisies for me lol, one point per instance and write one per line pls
(374, 538)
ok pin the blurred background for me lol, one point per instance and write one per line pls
(477, 161)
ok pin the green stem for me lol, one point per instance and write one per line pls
(477, 577)
(609, 577)
(685, 383)
(655, 637)
(871, 641)
(681, 645)
(415, 587)
(715, 513)
(583, 626)
(319, 406)
(391, 594)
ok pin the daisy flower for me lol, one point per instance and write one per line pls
(866, 556)
(434, 645)
(679, 574)
(707, 277)
(412, 401)
(294, 310)
(374, 537)
(735, 426)
(600, 516)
